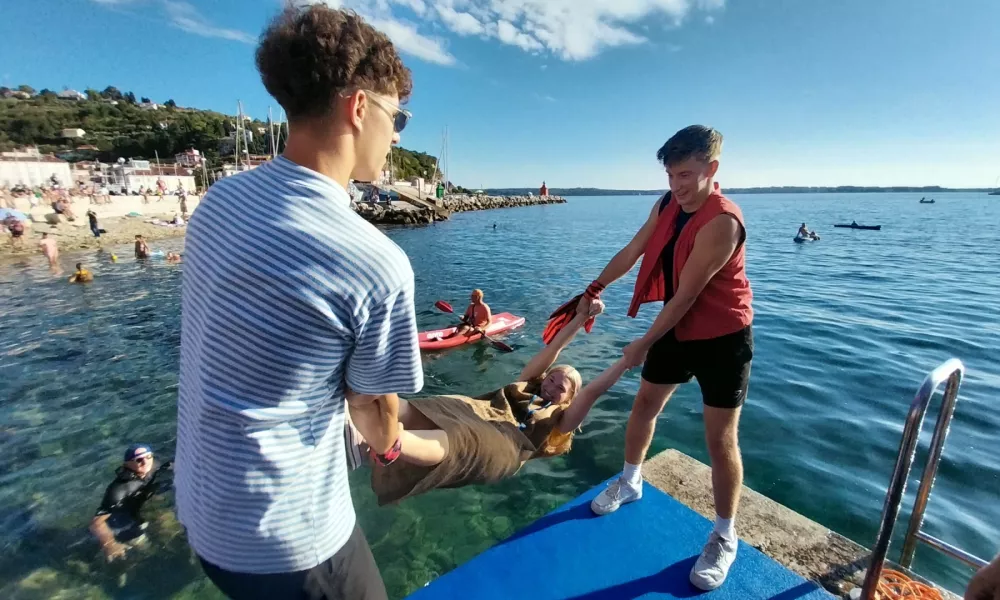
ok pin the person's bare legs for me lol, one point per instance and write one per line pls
(424, 448)
(648, 405)
(721, 427)
(721, 437)
(421, 442)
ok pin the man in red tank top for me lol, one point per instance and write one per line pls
(693, 261)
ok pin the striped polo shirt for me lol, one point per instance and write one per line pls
(287, 297)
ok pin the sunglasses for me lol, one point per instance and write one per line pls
(400, 117)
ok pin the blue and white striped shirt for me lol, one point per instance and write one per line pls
(287, 297)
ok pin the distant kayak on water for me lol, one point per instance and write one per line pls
(856, 226)
(437, 339)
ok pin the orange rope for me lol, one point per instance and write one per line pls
(893, 585)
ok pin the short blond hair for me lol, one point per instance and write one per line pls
(697, 141)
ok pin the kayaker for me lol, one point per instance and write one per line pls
(693, 261)
(82, 275)
(117, 522)
(477, 316)
(453, 441)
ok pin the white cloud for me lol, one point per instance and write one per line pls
(508, 34)
(570, 29)
(404, 34)
(185, 16)
(406, 37)
(461, 23)
(573, 30)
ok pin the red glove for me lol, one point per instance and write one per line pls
(565, 314)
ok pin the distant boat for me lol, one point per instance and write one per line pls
(995, 193)
(856, 226)
(927, 201)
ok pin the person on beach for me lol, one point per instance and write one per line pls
(477, 316)
(141, 247)
(693, 252)
(81, 275)
(277, 322)
(453, 441)
(50, 249)
(118, 524)
(16, 229)
(94, 227)
(985, 584)
(184, 204)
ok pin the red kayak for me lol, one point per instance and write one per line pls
(502, 323)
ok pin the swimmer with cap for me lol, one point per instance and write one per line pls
(117, 524)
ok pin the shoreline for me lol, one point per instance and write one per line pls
(74, 236)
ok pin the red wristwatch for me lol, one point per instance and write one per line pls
(390, 456)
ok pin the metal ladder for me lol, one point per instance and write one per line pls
(951, 373)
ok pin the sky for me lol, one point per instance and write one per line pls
(581, 93)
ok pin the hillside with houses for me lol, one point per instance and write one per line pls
(101, 131)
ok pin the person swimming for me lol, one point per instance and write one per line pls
(117, 522)
(82, 275)
(452, 441)
(141, 247)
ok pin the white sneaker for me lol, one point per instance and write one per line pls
(713, 565)
(617, 493)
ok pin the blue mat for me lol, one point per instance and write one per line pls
(645, 550)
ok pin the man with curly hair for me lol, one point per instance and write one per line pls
(289, 300)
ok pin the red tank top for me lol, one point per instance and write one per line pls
(724, 305)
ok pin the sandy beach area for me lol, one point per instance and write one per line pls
(113, 217)
(76, 235)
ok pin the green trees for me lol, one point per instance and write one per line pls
(126, 130)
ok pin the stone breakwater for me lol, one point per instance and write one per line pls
(463, 203)
(382, 214)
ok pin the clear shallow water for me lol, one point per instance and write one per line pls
(845, 330)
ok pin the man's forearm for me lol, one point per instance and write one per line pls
(619, 266)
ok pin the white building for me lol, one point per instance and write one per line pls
(31, 169)
(189, 158)
(73, 134)
(136, 175)
(149, 106)
(71, 95)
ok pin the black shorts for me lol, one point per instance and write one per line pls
(349, 574)
(721, 365)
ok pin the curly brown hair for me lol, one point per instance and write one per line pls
(308, 55)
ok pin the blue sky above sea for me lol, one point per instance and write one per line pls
(583, 92)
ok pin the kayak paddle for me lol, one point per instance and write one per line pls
(445, 307)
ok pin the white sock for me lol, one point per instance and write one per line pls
(632, 474)
(724, 527)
